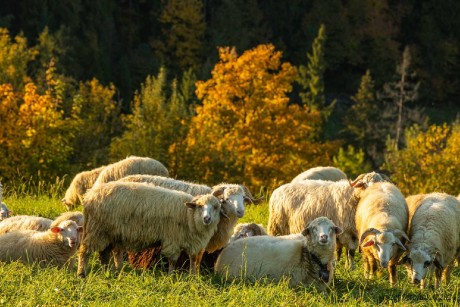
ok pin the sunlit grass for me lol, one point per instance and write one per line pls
(22, 285)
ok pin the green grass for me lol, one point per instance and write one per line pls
(22, 285)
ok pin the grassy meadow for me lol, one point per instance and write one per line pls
(22, 285)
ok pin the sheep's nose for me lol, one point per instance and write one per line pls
(323, 238)
(416, 281)
(384, 264)
(207, 220)
(240, 213)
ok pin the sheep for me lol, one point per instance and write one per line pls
(4, 211)
(308, 261)
(130, 216)
(130, 166)
(232, 196)
(55, 246)
(382, 220)
(78, 187)
(244, 230)
(321, 173)
(434, 237)
(292, 205)
(29, 222)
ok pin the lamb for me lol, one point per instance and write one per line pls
(232, 197)
(435, 237)
(321, 173)
(382, 220)
(130, 166)
(28, 222)
(55, 246)
(78, 187)
(293, 205)
(244, 230)
(125, 216)
(308, 261)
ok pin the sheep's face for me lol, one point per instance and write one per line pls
(322, 231)
(385, 246)
(235, 197)
(69, 232)
(418, 264)
(206, 209)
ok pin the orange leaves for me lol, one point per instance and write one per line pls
(246, 123)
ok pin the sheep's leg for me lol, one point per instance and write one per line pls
(351, 258)
(118, 259)
(339, 251)
(446, 274)
(195, 261)
(392, 274)
(373, 267)
(437, 278)
(82, 261)
(172, 261)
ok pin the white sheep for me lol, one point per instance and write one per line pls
(38, 223)
(434, 237)
(382, 220)
(232, 196)
(55, 246)
(292, 205)
(132, 165)
(78, 187)
(244, 230)
(321, 173)
(308, 261)
(125, 216)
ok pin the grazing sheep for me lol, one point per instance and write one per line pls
(78, 187)
(308, 261)
(132, 165)
(434, 237)
(30, 222)
(381, 220)
(321, 173)
(294, 204)
(55, 246)
(244, 230)
(126, 216)
(232, 197)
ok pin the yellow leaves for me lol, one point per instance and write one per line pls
(247, 118)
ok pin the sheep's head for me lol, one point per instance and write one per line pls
(206, 208)
(4, 212)
(322, 231)
(247, 230)
(69, 232)
(420, 262)
(385, 245)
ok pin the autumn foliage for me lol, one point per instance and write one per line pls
(246, 130)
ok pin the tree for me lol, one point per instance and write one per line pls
(398, 93)
(351, 161)
(183, 29)
(246, 131)
(429, 162)
(160, 114)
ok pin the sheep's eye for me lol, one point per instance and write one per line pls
(426, 264)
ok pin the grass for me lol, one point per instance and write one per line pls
(22, 285)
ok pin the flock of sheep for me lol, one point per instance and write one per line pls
(133, 210)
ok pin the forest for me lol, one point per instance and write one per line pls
(250, 91)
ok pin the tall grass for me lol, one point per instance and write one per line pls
(22, 285)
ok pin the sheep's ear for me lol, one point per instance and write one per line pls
(369, 243)
(438, 260)
(80, 228)
(306, 232)
(56, 229)
(63, 200)
(190, 205)
(338, 230)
